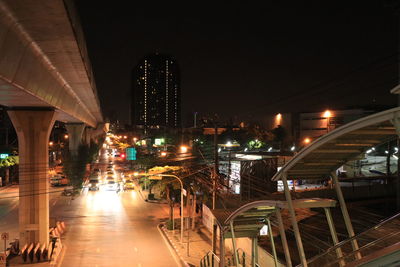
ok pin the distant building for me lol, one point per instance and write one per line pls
(303, 128)
(156, 96)
(316, 124)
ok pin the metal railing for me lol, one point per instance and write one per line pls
(242, 258)
(382, 235)
(210, 260)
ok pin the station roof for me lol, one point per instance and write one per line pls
(348, 142)
(251, 217)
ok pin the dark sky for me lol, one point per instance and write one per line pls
(249, 58)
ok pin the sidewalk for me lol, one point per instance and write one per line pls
(145, 195)
(196, 243)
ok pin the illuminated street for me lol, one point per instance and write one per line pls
(110, 229)
(104, 228)
(165, 135)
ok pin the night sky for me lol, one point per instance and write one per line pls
(245, 59)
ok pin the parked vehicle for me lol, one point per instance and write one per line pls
(58, 180)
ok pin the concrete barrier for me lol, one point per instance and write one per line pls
(64, 227)
(36, 252)
(24, 252)
(59, 228)
(43, 252)
(30, 252)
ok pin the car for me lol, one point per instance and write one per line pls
(110, 177)
(55, 181)
(58, 180)
(94, 184)
(112, 185)
(129, 185)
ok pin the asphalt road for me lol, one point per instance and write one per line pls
(104, 228)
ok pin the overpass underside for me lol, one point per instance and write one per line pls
(45, 75)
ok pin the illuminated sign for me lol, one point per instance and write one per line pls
(131, 153)
(159, 141)
(4, 155)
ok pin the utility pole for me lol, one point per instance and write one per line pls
(398, 176)
(215, 175)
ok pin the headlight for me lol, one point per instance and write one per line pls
(89, 185)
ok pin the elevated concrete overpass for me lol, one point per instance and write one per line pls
(43, 60)
(45, 75)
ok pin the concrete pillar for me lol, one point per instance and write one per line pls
(75, 131)
(87, 136)
(33, 129)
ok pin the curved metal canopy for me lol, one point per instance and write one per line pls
(329, 152)
(248, 219)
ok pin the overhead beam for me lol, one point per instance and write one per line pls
(334, 151)
(354, 144)
(373, 132)
(355, 141)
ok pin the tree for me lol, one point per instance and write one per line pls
(169, 187)
(279, 135)
(6, 164)
(75, 165)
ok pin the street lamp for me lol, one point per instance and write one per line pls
(327, 115)
(181, 183)
(307, 140)
(184, 149)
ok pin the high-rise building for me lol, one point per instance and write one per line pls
(156, 96)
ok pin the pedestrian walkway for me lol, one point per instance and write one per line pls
(196, 243)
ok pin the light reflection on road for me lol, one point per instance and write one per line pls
(106, 201)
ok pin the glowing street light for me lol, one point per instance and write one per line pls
(327, 114)
(181, 184)
(163, 154)
(184, 149)
(51, 143)
(278, 119)
(66, 136)
(307, 140)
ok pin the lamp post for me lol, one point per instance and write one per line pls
(180, 181)
(327, 115)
